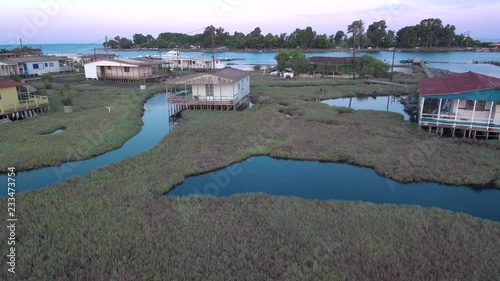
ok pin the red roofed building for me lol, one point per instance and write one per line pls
(332, 65)
(466, 104)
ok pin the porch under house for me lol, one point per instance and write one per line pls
(463, 105)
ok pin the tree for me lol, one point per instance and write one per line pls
(255, 39)
(430, 30)
(339, 37)
(239, 40)
(298, 61)
(370, 66)
(377, 32)
(282, 60)
(357, 28)
(270, 41)
(139, 39)
(390, 39)
(321, 42)
(408, 37)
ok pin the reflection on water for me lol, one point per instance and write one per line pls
(388, 103)
(331, 181)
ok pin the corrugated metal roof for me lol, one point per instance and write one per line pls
(33, 59)
(229, 73)
(458, 83)
(10, 84)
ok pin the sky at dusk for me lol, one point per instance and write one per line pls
(72, 21)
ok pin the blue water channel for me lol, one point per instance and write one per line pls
(388, 103)
(330, 181)
(156, 126)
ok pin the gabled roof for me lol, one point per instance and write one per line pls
(126, 62)
(98, 56)
(227, 75)
(33, 59)
(10, 84)
(331, 60)
(457, 84)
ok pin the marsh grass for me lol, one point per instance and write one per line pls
(90, 129)
(115, 224)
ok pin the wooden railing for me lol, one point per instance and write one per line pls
(30, 103)
(459, 121)
(128, 76)
(190, 99)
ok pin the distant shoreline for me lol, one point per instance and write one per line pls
(220, 50)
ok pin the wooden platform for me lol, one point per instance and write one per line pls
(177, 104)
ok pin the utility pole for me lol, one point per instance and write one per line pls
(21, 42)
(95, 55)
(106, 44)
(353, 64)
(393, 56)
(213, 49)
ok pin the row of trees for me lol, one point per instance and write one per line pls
(428, 33)
(297, 61)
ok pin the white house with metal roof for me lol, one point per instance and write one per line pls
(124, 70)
(227, 88)
(35, 65)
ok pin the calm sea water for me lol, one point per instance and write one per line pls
(453, 61)
(330, 181)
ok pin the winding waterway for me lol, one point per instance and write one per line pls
(331, 181)
(155, 127)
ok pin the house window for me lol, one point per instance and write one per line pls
(0, 96)
(46, 65)
(51, 64)
(36, 66)
(209, 88)
(469, 105)
(109, 67)
(126, 69)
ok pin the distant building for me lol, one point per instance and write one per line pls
(96, 57)
(21, 53)
(16, 104)
(466, 104)
(35, 65)
(332, 65)
(495, 46)
(124, 70)
(223, 89)
(174, 60)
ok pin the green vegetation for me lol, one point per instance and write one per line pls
(294, 59)
(368, 66)
(429, 33)
(115, 224)
(90, 130)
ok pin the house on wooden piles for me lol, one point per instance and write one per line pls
(17, 102)
(124, 70)
(223, 89)
(466, 104)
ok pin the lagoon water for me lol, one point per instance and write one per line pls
(310, 180)
(388, 103)
(331, 181)
(453, 61)
(156, 126)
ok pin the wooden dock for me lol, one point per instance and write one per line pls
(386, 83)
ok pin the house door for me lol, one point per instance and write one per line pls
(103, 70)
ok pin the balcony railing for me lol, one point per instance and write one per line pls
(453, 120)
(130, 76)
(30, 103)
